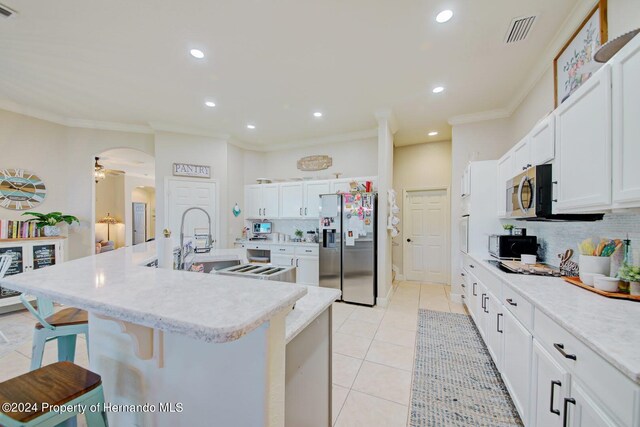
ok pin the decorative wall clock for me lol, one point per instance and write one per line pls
(20, 189)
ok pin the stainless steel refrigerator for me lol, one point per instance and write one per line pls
(348, 245)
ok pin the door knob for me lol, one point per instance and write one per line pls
(408, 240)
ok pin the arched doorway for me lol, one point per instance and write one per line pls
(125, 201)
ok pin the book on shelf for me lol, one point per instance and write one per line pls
(13, 229)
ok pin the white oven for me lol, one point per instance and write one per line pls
(464, 234)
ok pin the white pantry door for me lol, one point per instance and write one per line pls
(139, 223)
(185, 194)
(426, 246)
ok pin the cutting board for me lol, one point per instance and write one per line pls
(617, 295)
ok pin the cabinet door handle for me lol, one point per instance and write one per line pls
(498, 323)
(474, 290)
(510, 301)
(264, 211)
(462, 274)
(553, 389)
(486, 308)
(297, 262)
(305, 211)
(291, 261)
(463, 285)
(483, 301)
(300, 211)
(567, 400)
(472, 266)
(560, 348)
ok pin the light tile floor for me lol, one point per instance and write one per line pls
(372, 360)
(373, 354)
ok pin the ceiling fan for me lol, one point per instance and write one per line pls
(100, 172)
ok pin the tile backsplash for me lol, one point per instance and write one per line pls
(289, 226)
(557, 237)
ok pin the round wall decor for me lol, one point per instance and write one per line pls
(20, 189)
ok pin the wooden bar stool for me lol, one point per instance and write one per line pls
(63, 326)
(27, 400)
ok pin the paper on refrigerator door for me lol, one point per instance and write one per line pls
(350, 238)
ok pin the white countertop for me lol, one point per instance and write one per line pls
(308, 308)
(274, 242)
(607, 326)
(209, 307)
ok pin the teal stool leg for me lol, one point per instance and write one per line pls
(71, 422)
(66, 348)
(37, 351)
(86, 338)
(96, 419)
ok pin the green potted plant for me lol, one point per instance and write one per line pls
(49, 222)
(299, 234)
(631, 274)
(508, 228)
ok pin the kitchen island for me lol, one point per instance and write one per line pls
(211, 347)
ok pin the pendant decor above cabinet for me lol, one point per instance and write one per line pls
(315, 163)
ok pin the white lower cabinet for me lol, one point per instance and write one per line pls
(549, 389)
(282, 260)
(307, 270)
(581, 410)
(495, 329)
(516, 365)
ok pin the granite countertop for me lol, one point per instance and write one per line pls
(209, 307)
(607, 326)
(308, 308)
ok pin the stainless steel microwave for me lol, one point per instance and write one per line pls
(529, 196)
(512, 247)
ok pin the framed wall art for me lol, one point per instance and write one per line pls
(574, 64)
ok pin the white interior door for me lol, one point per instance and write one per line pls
(185, 194)
(425, 247)
(139, 222)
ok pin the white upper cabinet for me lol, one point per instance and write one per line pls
(253, 201)
(261, 201)
(291, 200)
(583, 146)
(312, 192)
(522, 156)
(626, 125)
(505, 173)
(542, 141)
(340, 185)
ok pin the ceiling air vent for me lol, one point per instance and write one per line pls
(519, 29)
(6, 12)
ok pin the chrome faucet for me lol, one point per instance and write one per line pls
(182, 248)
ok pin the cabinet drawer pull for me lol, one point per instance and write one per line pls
(463, 297)
(472, 266)
(297, 262)
(308, 250)
(510, 301)
(474, 290)
(486, 308)
(483, 301)
(553, 389)
(498, 323)
(462, 274)
(567, 400)
(463, 285)
(282, 249)
(560, 348)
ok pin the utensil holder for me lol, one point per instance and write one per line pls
(595, 264)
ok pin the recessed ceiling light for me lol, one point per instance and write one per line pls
(444, 16)
(438, 89)
(210, 104)
(317, 114)
(251, 127)
(197, 53)
(433, 133)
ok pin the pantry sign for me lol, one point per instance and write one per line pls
(195, 171)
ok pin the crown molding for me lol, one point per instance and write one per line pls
(331, 139)
(37, 113)
(389, 116)
(187, 130)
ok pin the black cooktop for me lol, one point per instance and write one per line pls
(498, 264)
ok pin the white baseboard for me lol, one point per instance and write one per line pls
(384, 301)
(456, 298)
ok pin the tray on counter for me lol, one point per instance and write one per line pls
(617, 295)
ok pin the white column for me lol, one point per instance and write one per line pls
(386, 129)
